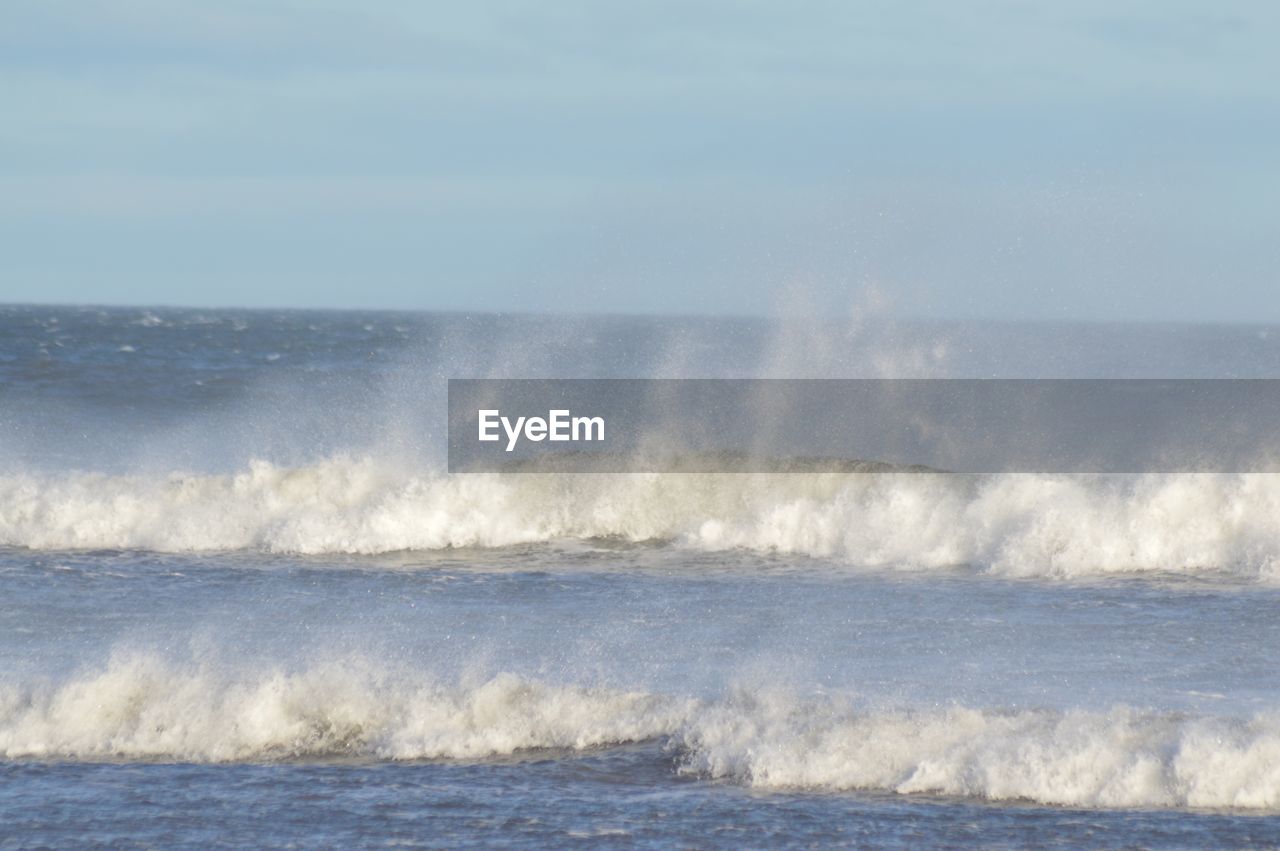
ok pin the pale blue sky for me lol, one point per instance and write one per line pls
(1096, 160)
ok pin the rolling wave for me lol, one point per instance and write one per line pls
(139, 707)
(1024, 525)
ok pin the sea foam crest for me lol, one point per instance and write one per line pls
(1034, 525)
(142, 707)
(139, 707)
(1117, 758)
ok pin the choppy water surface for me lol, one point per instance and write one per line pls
(241, 602)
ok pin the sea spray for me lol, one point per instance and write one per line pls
(1022, 525)
(139, 707)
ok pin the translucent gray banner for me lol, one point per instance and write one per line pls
(954, 425)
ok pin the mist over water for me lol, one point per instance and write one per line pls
(227, 539)
(324, 433)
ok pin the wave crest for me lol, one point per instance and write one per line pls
(1032, 525)
(140, 707)
(1119, 758)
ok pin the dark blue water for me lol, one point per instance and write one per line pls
(621, 798)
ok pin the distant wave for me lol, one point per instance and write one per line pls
(139, 707)
(1029, 525)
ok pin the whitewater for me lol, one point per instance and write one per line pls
(141, 708)
(237, 582)
(1015, 524)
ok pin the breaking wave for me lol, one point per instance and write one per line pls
(1119, 758)
(141, 707)
(1032, 525)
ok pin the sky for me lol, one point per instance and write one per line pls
(1005, 159)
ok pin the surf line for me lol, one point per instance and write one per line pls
(557, 425)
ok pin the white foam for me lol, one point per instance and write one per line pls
(139, 707)
(1120, 758)
(1016, 524)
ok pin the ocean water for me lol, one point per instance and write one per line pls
(241, 602)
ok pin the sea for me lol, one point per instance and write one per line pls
(243, 603)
